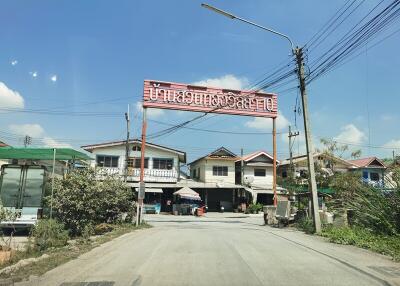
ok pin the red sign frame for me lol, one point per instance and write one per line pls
(179, 96)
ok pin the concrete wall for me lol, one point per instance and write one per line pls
(259, 181)
(206, 171)
(150, 153)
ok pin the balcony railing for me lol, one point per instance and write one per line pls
(150, 175)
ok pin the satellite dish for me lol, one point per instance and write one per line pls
(248, 179)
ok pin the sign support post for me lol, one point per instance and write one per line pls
(274, 161)
(141, 192)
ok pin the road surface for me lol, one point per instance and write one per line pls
(220, 250)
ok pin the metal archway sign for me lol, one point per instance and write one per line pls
(188, 97)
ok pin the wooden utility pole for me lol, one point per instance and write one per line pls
(312, 184)
(274, 160)
(294, 134)
(127, 144)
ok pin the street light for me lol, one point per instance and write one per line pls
(231, 16)
(298, 53)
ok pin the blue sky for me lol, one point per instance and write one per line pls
(92, 56)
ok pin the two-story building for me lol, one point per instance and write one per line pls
(213, 177)
(257, 175)
(161, 166)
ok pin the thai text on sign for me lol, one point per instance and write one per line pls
(177, 96)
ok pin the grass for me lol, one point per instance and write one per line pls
(58, 256)
(384, 244)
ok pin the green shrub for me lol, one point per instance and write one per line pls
(49, 233)
(306, 225)
(372, 208)
(80, 200)
(361, 237)
(255, 208)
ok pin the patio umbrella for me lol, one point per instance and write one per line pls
(188, 193)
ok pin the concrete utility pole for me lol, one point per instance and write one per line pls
(298, 52)
(241, 167)
(27, 140)
(127, 118)
(312, 184)
(291, 134)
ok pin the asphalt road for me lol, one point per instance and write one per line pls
(219, 250)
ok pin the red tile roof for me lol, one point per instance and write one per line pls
(2, 144)
(365, 162)
(256, 154)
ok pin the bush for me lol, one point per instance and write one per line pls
(255, 208)
(306, 225)
(361, 237)
(49, 233)
(80, 200)
(372, 208)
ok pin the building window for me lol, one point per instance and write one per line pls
(374, 176)
(163, 164)
(135, 162)
(284, 174)
(220, 171)
(137, 148)
(365, 175)
(107, 161)
(194, 173)
(259, 172)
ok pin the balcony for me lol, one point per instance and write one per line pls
(150, 175)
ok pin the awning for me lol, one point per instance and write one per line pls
(42, 154)
(188, 193)
(151, 190)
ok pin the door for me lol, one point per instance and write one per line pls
(32, 196)
(11, 186)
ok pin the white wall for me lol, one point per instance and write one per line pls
(259, 181)
(150, 153)
(206, 170)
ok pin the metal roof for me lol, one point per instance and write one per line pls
(42, 154)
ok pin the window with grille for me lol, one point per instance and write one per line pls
(163, 164)
(259, 172)
(135, 162)
(107, 161)
(220, 171)
(374, 176)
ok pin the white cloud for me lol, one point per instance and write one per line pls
(33, 73)
(350, 134)
(10, 98)
(228, 81)
(50, 142)
(265, 124)
(36, 132)
(388, 117)
(392, 144)
(151, 112)
(33, 130)
(14, 62)
(53, 78)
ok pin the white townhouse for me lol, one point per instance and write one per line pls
(257, 176)
(162, 164)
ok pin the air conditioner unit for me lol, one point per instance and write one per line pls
(248, 179)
